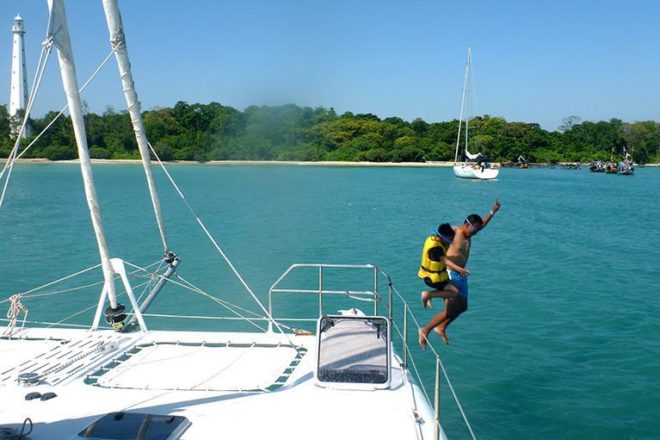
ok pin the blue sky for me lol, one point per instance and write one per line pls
(533, 61)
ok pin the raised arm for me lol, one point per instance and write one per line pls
(493, 210)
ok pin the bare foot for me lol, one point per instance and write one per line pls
(426, 299)
(422, 339)
(442, 334)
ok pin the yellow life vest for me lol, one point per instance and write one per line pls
(436, 271)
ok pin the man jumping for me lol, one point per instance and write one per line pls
(458, 254)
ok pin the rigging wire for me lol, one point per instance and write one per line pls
(30, 293)
(90, 308)
(217, 246)
(227, 305)
(41, 66)
(14, 156)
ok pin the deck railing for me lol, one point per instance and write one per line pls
(379, 290)
(376, 297)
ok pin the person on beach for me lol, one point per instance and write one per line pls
(458, 254)
(433, 270)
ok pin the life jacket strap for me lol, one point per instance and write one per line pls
(433, 271)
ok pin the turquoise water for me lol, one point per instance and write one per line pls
(561, 338)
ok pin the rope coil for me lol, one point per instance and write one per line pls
(15, 307)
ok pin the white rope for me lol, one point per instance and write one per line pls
(199, 290)
(59, 280)
(160, 264)
(223, 303)
(28, 294)
(217, 246)
(52, 323)
(212, 318)
(15, 308)
(89, 308)
(60, 292)
(200, 317)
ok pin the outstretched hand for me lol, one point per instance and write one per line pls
(496, 206)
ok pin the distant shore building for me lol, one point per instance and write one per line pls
(19, 91)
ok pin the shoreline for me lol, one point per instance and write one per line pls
(246, 162)
(430, 164)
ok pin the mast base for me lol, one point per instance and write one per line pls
(116, 317)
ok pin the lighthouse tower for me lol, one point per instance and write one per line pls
(19, 90)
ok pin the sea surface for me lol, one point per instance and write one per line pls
(562, 336)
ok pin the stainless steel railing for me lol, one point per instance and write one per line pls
(372, 295)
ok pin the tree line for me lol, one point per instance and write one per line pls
(203, 132)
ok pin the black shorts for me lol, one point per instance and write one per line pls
(455, 306)
(437, 286)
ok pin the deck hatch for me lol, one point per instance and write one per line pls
(131, 425)
(353, 351)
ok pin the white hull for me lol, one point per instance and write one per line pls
(467, 171)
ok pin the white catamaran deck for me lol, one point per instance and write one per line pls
(169, 372)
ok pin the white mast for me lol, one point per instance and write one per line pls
(467, 93)
(460, 118)
(59, 33)
(118, 41)
(19, 90)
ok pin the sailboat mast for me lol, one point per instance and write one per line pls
(467, 93)
(118, 41)
(460, 118)
(58, 31)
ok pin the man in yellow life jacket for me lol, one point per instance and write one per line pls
(433, 270)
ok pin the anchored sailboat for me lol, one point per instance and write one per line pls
(120, 380)
(476, 166)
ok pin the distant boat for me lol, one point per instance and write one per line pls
(597, 166)
(626, 167)
(476, 166)
(521, 162)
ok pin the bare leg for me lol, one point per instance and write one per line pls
(453, 308)
(442, 328)
(422, 339)
(434, 322)
(450, 291)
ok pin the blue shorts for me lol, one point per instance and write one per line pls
(461, 282)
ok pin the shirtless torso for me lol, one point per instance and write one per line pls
(459, 251)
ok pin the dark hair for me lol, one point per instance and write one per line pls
(474, 219)
(446, 230)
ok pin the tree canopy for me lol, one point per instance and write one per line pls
(203, 132)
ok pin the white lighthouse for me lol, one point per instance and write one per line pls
(19, 90)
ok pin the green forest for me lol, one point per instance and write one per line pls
(204, 132)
